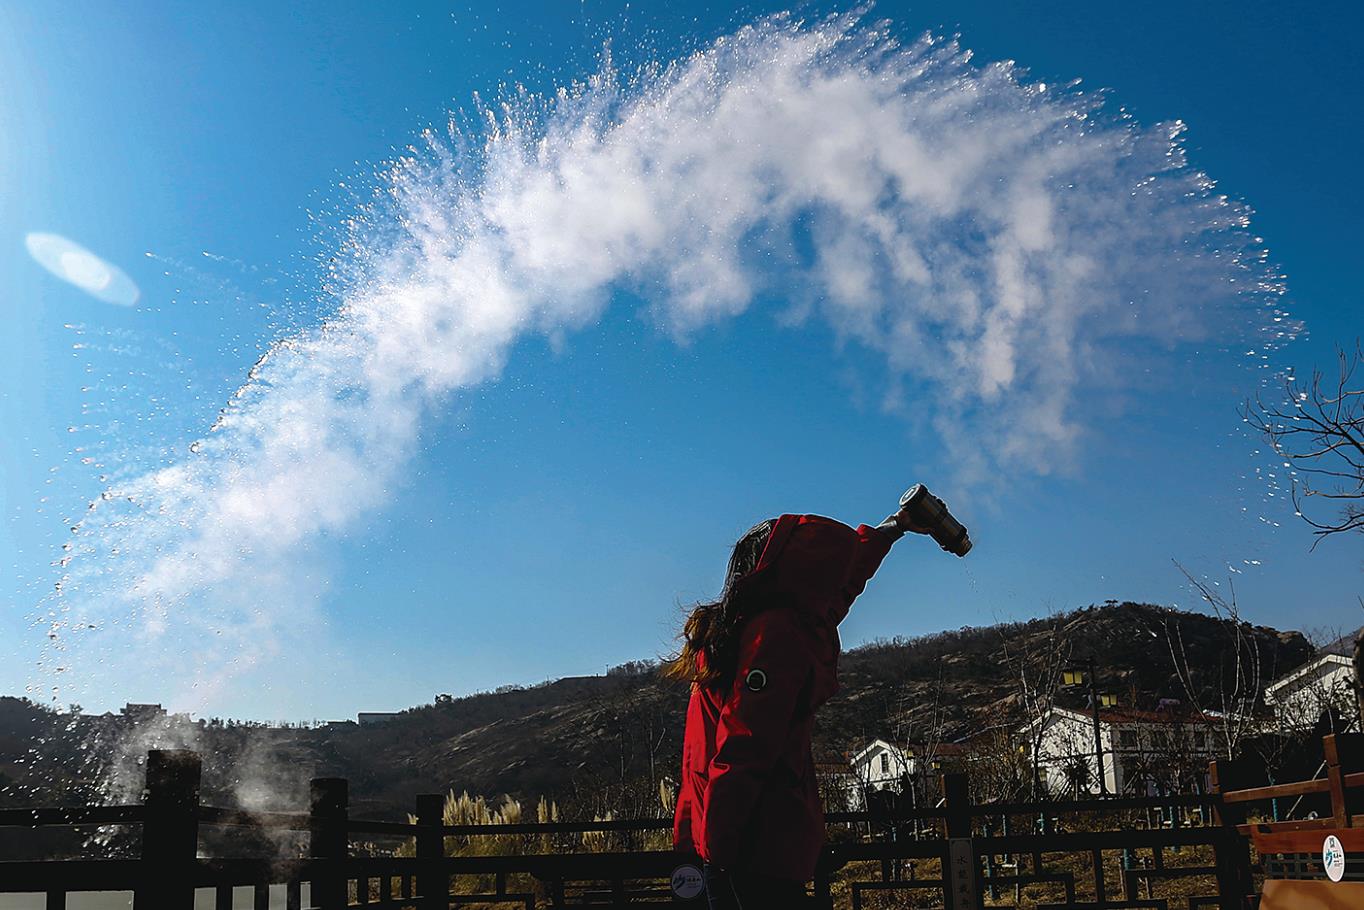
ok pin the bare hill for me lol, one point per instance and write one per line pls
(604, 742)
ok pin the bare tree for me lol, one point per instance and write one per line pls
(1239, 685)
(921, 737)
(919, 716)
(1000, 771)
(1038, 670)
(1176, 750)
(1319, 431)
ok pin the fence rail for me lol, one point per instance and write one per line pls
(969, 851)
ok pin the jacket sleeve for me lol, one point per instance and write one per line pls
(872, 546)
(755, 723)
(683, 811)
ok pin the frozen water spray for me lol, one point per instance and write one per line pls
(992, 238)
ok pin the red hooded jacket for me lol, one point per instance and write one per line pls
(748, 798)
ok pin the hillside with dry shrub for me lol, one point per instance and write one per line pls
(605, 743)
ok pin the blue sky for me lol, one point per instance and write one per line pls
(552, 522)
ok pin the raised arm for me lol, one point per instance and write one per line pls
(873, 543)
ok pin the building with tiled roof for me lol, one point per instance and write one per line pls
(1325, 683)
(1143, 752)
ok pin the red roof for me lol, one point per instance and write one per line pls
(1122, 715)
(941, 750)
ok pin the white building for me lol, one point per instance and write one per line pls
(1327, 681)
(881, 765)
(1144, 752)
(884, 766)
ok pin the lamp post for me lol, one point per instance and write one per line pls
(1075, 677)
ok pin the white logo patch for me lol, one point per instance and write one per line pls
(687, 882)
(756, 680)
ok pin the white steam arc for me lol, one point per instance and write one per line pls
(992, 237)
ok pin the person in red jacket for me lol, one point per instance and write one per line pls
(760, 661)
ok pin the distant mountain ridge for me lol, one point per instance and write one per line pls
(603, 743)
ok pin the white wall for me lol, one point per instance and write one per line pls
(1299, 703)
(1067, 741)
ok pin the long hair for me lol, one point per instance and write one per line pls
(710, 636)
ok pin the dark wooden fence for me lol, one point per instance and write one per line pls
(1290, 850)
(1086, 854)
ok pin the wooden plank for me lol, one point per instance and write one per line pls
(1302, 824)
(1309, 841)
(1335, 776)
(1277, 791)
(1296, 894)
(1349, 750)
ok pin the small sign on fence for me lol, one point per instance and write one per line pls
(1333, 858)
(962, 862)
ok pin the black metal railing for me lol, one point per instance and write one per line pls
(1097, 854)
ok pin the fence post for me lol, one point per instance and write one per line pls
(1231, 849)
(993, 890)
(170, 831)
(824, 873)
(329, 841)
(432, 883)
(1344, 755)
(956, 792)
(960, 872)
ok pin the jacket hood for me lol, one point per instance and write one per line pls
(807, 563)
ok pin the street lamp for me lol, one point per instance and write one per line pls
(1079, 675)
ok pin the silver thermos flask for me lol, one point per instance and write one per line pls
(928, 511)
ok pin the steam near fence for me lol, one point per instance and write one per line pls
(243, 767)
(991, 238)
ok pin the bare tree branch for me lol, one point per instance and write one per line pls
(1239, 691)
(1318, 430)
(1039, 677)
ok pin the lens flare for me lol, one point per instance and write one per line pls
(76, 265)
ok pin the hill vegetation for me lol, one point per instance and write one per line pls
(605, 743)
